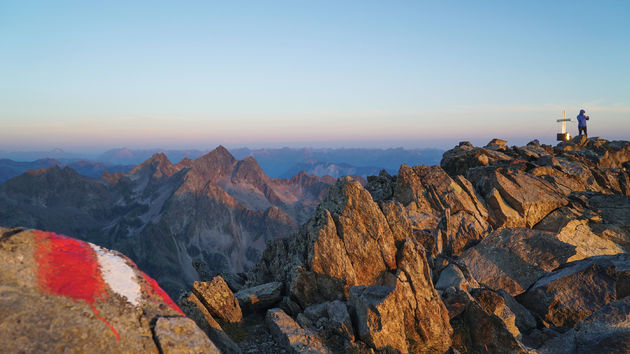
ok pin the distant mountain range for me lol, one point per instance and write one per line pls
(10, 168)
(180, 222)
(277, 163)
(286, 162)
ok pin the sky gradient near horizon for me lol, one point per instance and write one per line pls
(84, 75)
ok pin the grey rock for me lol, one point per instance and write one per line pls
(315, 312)
(339, 319)
(453, 276)
(293, 337)
(605, 331)
(261, 297)
(289, 306)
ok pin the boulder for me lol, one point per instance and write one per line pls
(218, 299)
(181, 335)
(476, 326)
(293, 337)
(524, 320)
(426, 320)
(289, 306)
(513, 259)
(578, 289)
(380, 321)
(316, 312)
(497, 143)
(494, 303)
(261, 297)
(61, 294)
(460, 159)
(516, 198)
(605, 331)
(339, 321)
(196, 311)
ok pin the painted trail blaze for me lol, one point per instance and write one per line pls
(69, 267)
(156, 290)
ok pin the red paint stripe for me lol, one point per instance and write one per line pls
(107, 323)
(156, 290)
(69, 267)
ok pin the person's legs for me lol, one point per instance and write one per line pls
(582, 129)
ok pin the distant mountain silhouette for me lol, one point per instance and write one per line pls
(10, 168)
(286, 162)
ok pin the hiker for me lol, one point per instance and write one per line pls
(581, 118)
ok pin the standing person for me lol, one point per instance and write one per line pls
(581, 118)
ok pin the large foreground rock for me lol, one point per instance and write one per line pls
(61, 294)
(576, 290)
(347, 242)
(513, 259)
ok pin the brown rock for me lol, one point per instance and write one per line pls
(196, 311)
(218, 299)
(379, 317)
(181, 335)
(261, 297)
(578, 289)
(494, 303)
(531, 197)
(478, 331)
(460, 159)
(513, 259)
(497, 143)
(425, 317)
(606, 331)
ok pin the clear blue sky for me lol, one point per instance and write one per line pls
(102, 74)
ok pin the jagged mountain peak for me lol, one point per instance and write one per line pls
(215, 164)
(158, 164)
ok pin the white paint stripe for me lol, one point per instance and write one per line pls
(118, 274)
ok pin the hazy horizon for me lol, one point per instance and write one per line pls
(85, 76)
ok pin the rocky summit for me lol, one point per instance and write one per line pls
(500, 249)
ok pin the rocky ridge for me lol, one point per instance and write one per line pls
(454, 257)
(499, 249)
